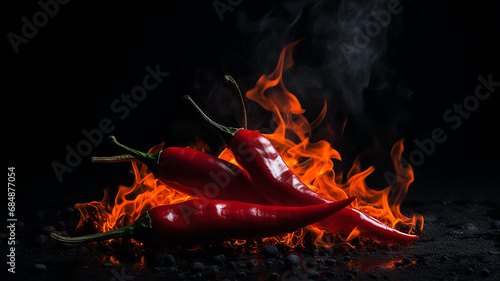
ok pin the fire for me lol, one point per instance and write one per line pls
(312, 162)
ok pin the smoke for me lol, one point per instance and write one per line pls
(345, 40)
(343, 60)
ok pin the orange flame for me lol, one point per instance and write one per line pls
(317, 172)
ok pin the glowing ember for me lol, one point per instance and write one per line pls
(317, 172)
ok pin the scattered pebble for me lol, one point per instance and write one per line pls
(469, 271)
(48, 229)
(197, 267)
(60, 225)
(39, 267)
(329, 250)
(330, 261)
(270, 251)
(444, 258)
(211, 271)
(469, 228)
(354, 272)
(291, 261)
(40, 239)
(484, 272)
(315, 252)
(107, 264)
(250, 263)
(169, 260)
(219, 259)
(275, 276)
(232, 265)
(313, 275)
(496, 224)
(269, 263)
(331, 274)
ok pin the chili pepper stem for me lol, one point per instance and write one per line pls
(151, 160)
(225, 132)
(113, 159)
(137, 229)
(244, 121)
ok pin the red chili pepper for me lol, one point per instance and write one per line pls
(194, 173)
(202, 221)
(257, 155)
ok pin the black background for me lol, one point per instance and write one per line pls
(65, 79)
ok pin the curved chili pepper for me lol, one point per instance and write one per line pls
(257, 155)
(194, 173)
(202, 221)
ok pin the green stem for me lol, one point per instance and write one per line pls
(113, 159)
(244, 122)
(139, 229)
(151, 160)
(225, 132)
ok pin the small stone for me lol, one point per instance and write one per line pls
(469, 271)
(232, 265)
(60, 225)
(331, 274)
(270, 251)
(39, 267)
(315, 252)
(347, 258)
(211, 271)
(444, 258)
(329, 250)
(48, 229)
(197, 267)
(107, 264)
(250, 263)
(269, 263)
(275, 276)
(469, 228)
(330, 261)
(484, 272)
(241, 274)
(313, 275)
(354, 272)
(291, 261)
(219, 259)
(169, 260)
(496, 224)
(373, 276)
(40, 239)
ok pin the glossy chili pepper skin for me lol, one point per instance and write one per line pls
(201, 221)
(257, 155)
(205, 176)
(194, 173)
(271, 182)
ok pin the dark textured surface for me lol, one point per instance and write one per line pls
(460, 242)
(65, 79)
